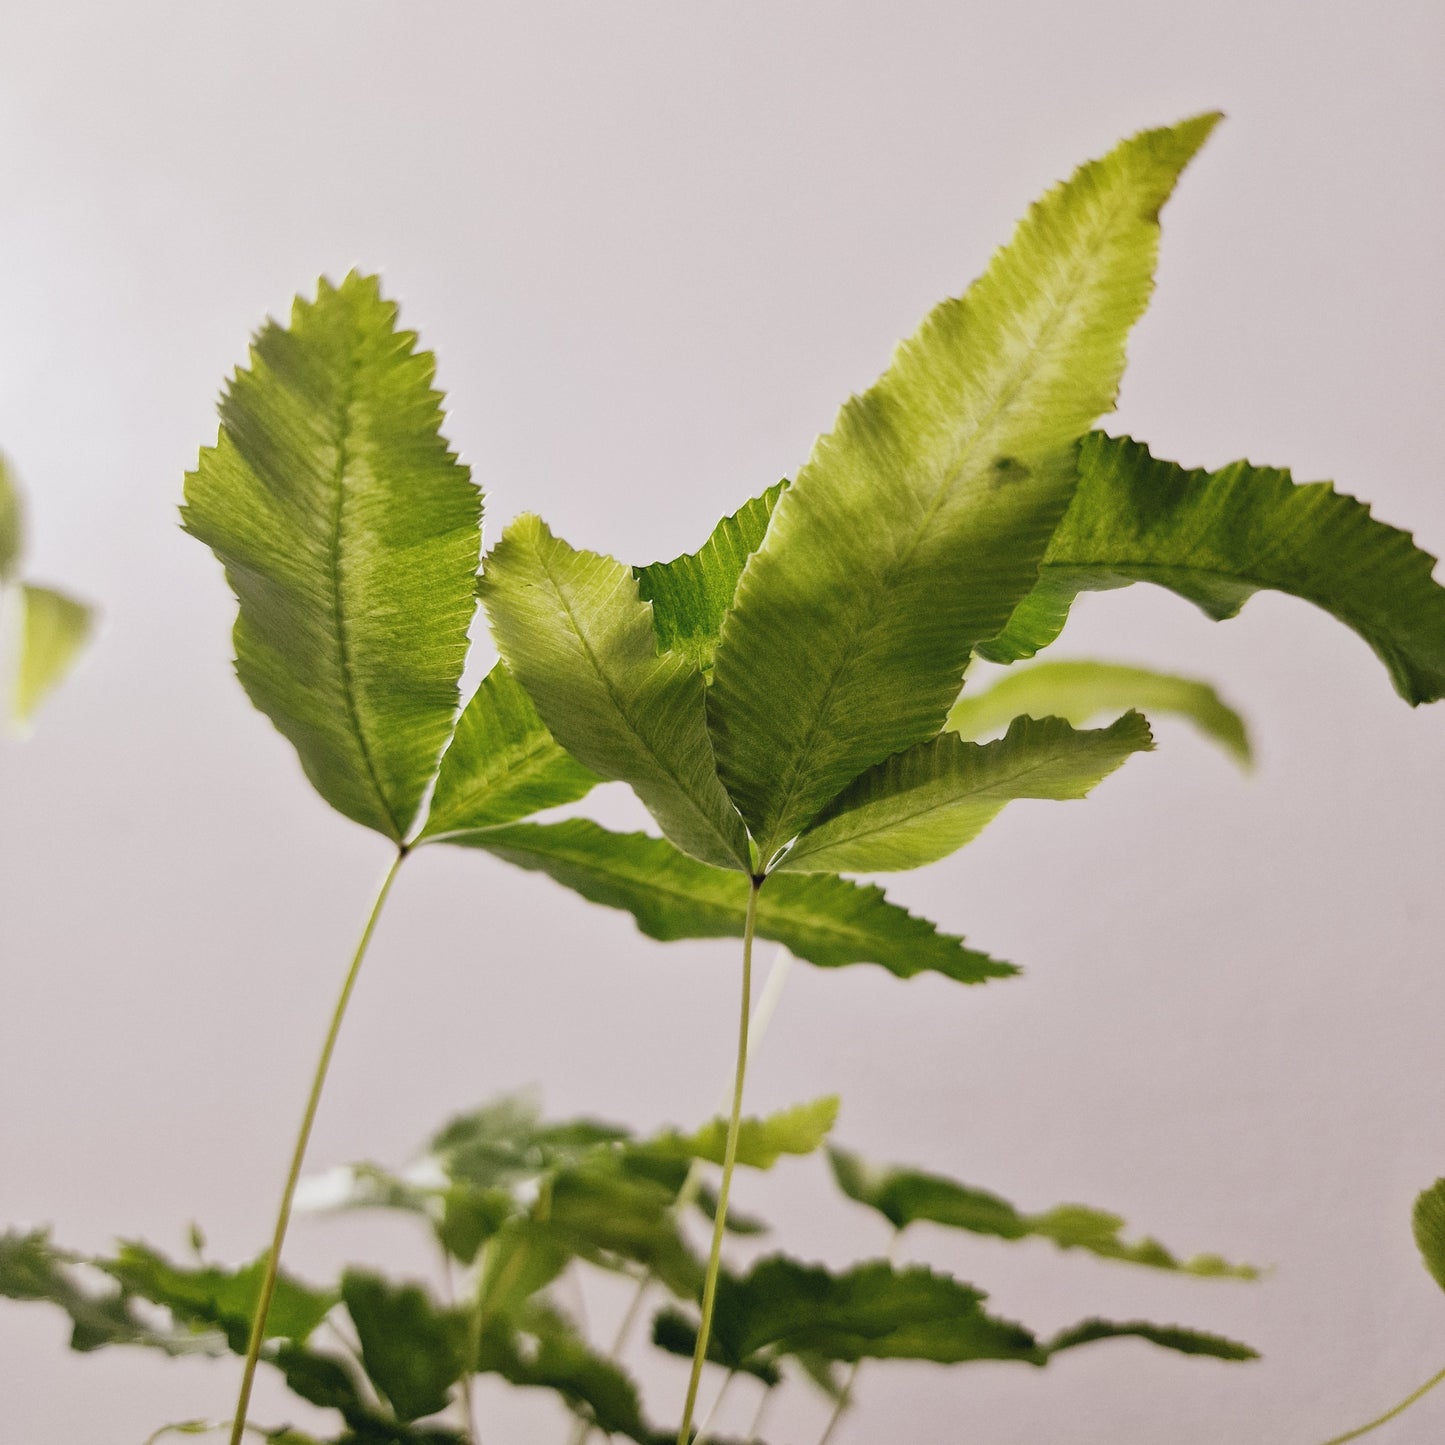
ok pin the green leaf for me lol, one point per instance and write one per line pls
(1167, 1337)
(413, 1349)
(31, 1268)
(825, 920)
(1216, 538)
(502, 764)
(12, 524)
(55, 628)
(225, 1299)
(545, 1353)
(761, 1142)
(909, 1196)
(691, 595)
(350, 535)
(918, 524)
(602, 1210)
(574, 630)
(1429, 1222)
(1079, 692)
(872, 1311)
(925, 803)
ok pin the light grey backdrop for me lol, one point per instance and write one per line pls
(654, 247)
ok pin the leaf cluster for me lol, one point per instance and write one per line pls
(516, 1203)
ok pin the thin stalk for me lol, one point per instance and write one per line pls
(298, 1156)
(730, 1156)
(464, 1385)
(845, 1399)
(762, 1015)
(767, 1399)
(1390, 1414)
(716, 1406)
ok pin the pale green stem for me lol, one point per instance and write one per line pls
(762, 1016)
(730, 1156)
(764, 1401)
(298, 1156)
(1391, 1414)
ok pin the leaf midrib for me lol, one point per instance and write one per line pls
(527, 762)
(343, 646)
(1005, 399)
(984, 796)
(624, 713)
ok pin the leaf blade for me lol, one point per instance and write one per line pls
(1079, 691)
(576, 634)
(1428, 1221)
(691, 595)
(912, 1196)
(825, 920)
(1216, 538)
(502, 764)
(350, 535)
(924, 803)
(919, 522)
(55, 628)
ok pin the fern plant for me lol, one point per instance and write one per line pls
(789, 701)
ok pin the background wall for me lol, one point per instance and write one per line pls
(654, 247)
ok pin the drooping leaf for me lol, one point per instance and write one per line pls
(1167, 1337)
(414, 1349)
(929, 801)
(502, 764)
(691, 595)
(545, 1353)
(1216, 538)
(54, 628)
(1081, 691)
(12, 524)
(910, 1196)
(872, 1311)
(1429, 1222)
(761, 1142)
(350, 535)
(32, 1268)
(825, 920)
(224, 1299)
(918, 524)
(578, 637)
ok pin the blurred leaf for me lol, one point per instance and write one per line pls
(1216, 538)
(825, 920)
(675, 1333)
(12, 524)
(872, 1311)
(544, 1353)
(691, 595)
(1429, 1221)
(1079, 692)
(1167, 1337)
(578, 637)
(507, 1141)
(350, 535)
(210, 1295)
(31, 1268)
(54, 629)
(917, 525)
(925, 803)
(502, 764)
(761, 1142)
(413, 1349)
(909, 1196)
